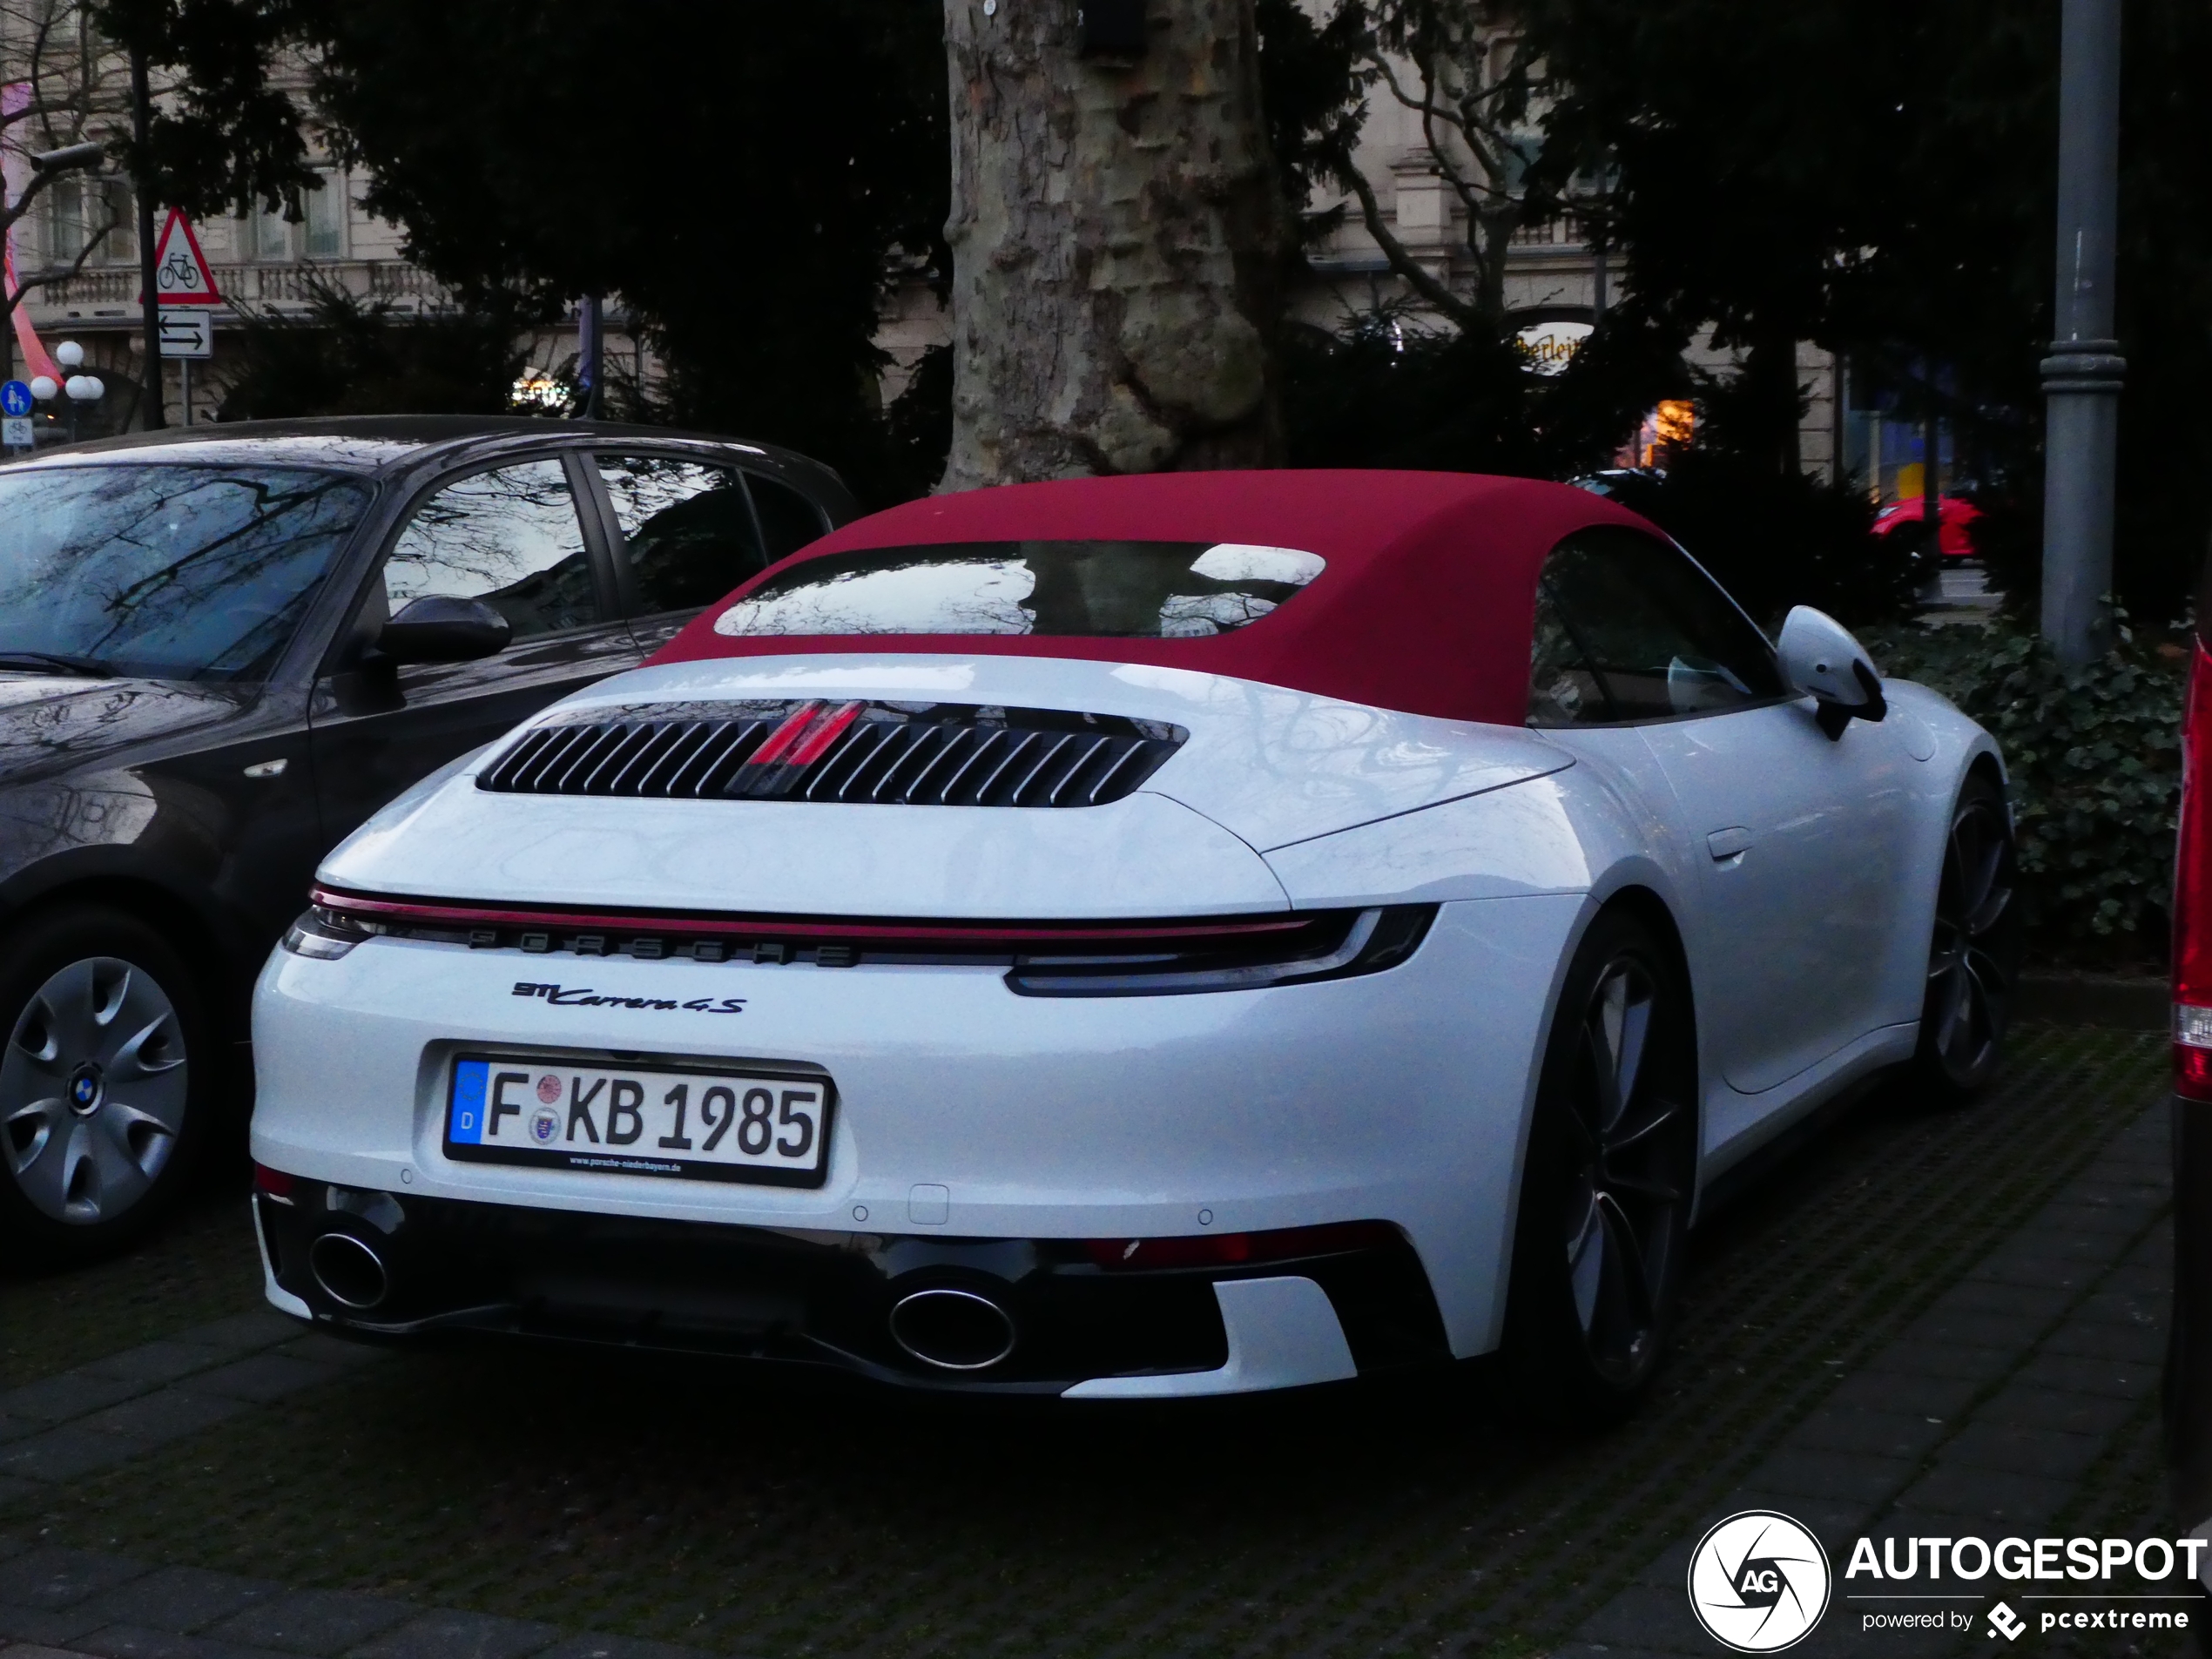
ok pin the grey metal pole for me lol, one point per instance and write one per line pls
(2083, 374)
(592, 325)
(149, 298)
(1931, 491)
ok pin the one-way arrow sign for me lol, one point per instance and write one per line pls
(180, 273)
(187, 331)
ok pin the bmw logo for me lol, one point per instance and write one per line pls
(86, 1088)
(545, 1123)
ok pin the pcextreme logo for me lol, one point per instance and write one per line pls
(1758, 1581)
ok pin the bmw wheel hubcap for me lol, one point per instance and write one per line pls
(92, 1091)
(1968, 982)
(1627, 1185)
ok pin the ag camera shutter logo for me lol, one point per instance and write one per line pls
(1758, 1581)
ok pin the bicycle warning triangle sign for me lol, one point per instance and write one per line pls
(180, 273)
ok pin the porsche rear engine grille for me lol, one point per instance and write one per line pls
(944, 754)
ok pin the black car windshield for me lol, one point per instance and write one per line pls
(165, 572)
(1121, 589)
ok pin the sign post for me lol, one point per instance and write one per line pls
(188, 334)
(183, 285)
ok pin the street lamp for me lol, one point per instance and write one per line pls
(2083, 373)
(73, 155)
(79, 389)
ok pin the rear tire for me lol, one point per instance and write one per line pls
(1973, 955)
(1605, 1188)
(105, 1060)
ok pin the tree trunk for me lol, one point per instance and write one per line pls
(1779, 398)
(1117, 234)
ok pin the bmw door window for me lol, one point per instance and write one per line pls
(688, 529)
(788, 520)
(165, 572)
(509, 537)
(1648, 629)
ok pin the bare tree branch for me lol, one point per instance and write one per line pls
(1401, 259)
(1443, 62)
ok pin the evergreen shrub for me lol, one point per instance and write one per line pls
(2094, 758)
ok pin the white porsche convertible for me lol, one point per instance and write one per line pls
(1135, 937)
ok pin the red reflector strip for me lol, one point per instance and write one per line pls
(2192, 1051)
(2192, 1072)
(1236, 1250)
(825, 731)
(276, 1183)
(783, 736)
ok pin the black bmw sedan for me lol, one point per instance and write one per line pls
(222, 648)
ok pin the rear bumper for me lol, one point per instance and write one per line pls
(965, 1111)
(826, 1300)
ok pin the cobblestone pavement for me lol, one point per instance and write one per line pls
(198, 1271)
(1927, 1322)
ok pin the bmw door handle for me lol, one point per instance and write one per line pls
(1729, 845)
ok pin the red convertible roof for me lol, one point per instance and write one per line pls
(1426, 603)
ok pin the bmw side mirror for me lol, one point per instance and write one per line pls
(1820, 657)
(438, 628)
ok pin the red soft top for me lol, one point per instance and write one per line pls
(1427, 604)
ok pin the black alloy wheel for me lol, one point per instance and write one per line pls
(1606, 1190)
(101, 1080)
(1973, 957)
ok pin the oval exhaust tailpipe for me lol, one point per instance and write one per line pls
(351, 1273)
(953, 1329)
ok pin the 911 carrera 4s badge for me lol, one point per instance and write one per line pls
(708, 1122)
(585, 996)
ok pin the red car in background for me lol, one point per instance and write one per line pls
(1953, 515)
(2188, 1355)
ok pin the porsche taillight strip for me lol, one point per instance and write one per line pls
(1211, 933)
(1165, 958)
(854, 753)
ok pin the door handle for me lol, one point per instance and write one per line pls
(1730, 843)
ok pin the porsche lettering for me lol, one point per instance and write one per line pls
(584, 996)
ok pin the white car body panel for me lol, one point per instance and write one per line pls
(1401, 1096)
(1800, 844)
(1269, 765)
(1144, 856)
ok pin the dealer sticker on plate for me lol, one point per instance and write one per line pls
(762, 1126)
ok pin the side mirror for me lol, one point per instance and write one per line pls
(1820, 656)
(438, 628)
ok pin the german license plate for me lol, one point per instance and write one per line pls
(752, 1125)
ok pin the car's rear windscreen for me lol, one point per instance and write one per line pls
(1081, 588)
(165, 572)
